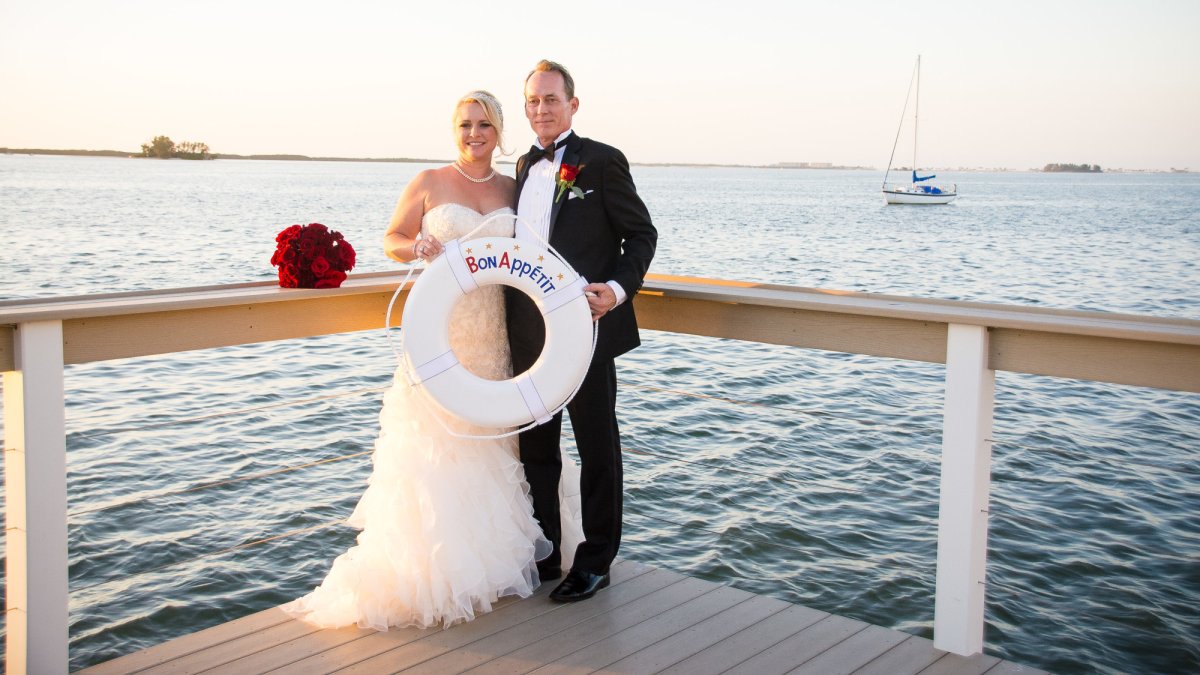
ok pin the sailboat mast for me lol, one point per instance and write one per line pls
(916, 116)
(900, 127)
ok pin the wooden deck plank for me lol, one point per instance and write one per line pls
(544, 617)
(506, 612)
(350, 653)
(744, 644)
(645, 633)
(1010, 668)
(953, 664)
(309, 654)
(380, 651)
(347, 655)
(232, 650)
(852, 653)
(800, 647)
(287, 653)
(630, 580)
(907, 658)
(485, 652)
(546, 643)
(188, 644)
(682, 645)
(425, 655)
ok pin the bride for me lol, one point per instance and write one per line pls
(447, 524)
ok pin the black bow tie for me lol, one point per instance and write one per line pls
(535, 153)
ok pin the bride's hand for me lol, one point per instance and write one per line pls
(428, 247)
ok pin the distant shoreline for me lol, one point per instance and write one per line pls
(415, 160)
(215, 155)
(407, 160)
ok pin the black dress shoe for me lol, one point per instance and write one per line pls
(579, 586)
(548, 572)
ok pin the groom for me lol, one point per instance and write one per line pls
(578, 194)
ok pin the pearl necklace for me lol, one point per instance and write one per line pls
(474, 180)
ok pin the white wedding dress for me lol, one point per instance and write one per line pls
(447, 525)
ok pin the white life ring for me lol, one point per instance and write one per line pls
(558, 292)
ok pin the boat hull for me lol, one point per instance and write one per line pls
(919, 196)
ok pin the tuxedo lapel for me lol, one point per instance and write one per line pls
(570, 158)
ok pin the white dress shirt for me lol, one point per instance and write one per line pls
(537, 200)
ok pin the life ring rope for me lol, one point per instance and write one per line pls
(415, 374)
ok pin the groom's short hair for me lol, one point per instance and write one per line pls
(546, 66)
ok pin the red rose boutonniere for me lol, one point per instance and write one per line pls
(567, 174)
(312, 256)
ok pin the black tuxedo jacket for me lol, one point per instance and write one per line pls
(606, 236)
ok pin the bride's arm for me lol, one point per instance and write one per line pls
(400, 240)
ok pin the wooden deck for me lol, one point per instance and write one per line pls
(648, 621)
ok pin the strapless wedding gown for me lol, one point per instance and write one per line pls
(447, 524)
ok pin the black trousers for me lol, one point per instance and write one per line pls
(594, 421)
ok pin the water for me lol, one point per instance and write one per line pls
(822, 492)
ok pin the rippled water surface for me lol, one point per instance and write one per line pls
(207, 485)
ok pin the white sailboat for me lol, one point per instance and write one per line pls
(917, 191)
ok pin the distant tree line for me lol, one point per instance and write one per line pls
(163, 147)
(1076, 168)
(48, 151)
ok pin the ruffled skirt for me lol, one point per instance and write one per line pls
(447, 527)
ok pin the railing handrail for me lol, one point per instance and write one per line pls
(1045, 319)
(64, 308)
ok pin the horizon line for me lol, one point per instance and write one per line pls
(417, 160)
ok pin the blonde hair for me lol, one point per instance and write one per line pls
(491, 110)
(547, 66)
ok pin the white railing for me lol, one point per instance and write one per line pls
(37, 338)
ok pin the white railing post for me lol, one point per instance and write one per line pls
(35, 476)
(965, 484)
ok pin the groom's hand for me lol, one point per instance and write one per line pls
(601, 299)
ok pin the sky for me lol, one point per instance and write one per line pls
(1013, 84)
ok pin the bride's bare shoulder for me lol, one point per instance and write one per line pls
(434, 176)
(429, 186)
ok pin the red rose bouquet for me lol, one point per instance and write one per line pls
(312, 256)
